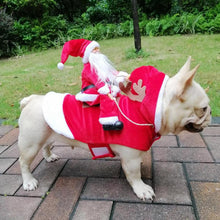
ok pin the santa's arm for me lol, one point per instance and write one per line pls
(121, 77)
(101, 86)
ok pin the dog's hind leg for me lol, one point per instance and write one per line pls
(27, 155)
(29, 146)
(33, 134)
(48, 155)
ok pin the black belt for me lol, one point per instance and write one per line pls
(87, 87)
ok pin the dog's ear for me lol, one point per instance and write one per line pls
(185, 77)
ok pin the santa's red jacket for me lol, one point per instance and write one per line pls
(91, 84)
(89, 77)
(75, 121)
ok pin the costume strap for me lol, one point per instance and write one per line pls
(87, 87)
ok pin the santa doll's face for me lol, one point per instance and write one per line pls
(96, 50)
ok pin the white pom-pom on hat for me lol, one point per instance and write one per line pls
(60, 66)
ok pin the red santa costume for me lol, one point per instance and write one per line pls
(67, 116)
(98, 77)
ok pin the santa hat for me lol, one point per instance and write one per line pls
(77, 48)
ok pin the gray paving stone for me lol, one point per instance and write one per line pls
(45, 173)
(15, 168)
(12, 151)
(4, 129)
(9, 184)
(93, 210)
(69, 153)
(95, 168)
(62, 198)
(207, 197)
(19, 208)
(136, 211)
(3, 148)
(170, 184)
(5, 164)
(166, 141)
(187, 139)
(182, 154)
(214, 145)
(203, 171)
(105, 193)
(211, 131)
(9, 138)
(113, 189)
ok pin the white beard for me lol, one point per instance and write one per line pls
(103, 67)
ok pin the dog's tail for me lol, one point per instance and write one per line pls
(25, 101)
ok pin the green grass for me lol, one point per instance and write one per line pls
(37, 72)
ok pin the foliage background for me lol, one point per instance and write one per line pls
(36, 25)
(40, 24)
(37, 73)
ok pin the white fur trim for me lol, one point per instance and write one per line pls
(60, 66)
(104, 90)
(88, 50)
(115, 90)
(121, 76)
(119, 79)
(83, 97)
(53, 113)
(122, 73)
(108, 120)
(158, 113)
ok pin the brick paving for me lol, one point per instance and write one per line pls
(184, 171)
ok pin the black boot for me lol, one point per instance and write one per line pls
(118, 125)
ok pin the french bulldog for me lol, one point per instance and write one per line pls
(185, 106)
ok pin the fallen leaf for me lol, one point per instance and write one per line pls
(72, 84)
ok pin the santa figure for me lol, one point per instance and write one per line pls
(100, 80)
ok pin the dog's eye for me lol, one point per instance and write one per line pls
(200, 112)
(204, 109)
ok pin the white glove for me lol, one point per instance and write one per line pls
(121, 76)
(115, 90)
(104, 90)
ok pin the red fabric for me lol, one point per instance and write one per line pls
(84, 125)
(107, 106)
(75, 48)
(89, 77)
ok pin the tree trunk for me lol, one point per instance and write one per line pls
(137, 36)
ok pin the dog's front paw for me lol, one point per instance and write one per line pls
(52, 157)
(30, 185)
(143, 191)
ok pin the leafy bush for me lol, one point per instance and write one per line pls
(98, 12)
(131, 53)
(40, 34)
(48, 31)
(29, 8)
(6, 34)
(185, 23)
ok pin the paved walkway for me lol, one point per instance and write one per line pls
(184, 171)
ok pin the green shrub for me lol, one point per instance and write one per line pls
(51, 31)
(40, 34)
(131, 53)
(6, 34)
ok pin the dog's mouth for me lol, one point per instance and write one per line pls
(191, 128)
